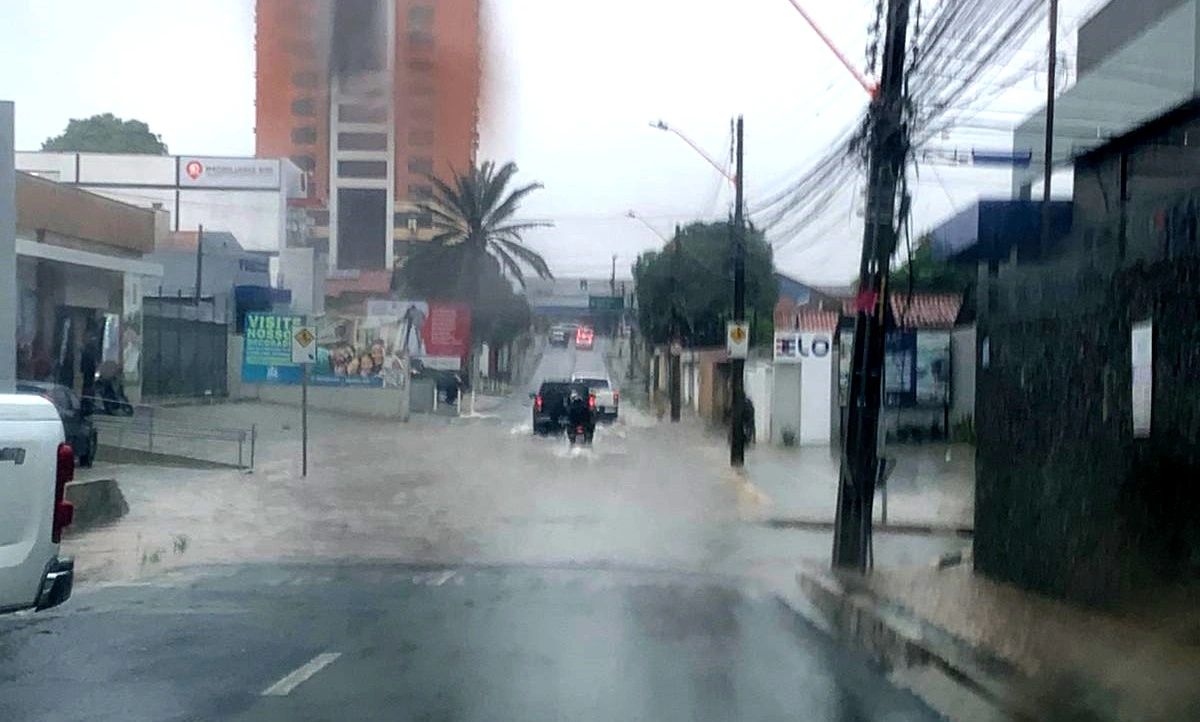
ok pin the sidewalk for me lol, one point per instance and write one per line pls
(932, 488)
(975, 649)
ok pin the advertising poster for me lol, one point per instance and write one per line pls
(933, 368)
(432, 334)
(267, 349)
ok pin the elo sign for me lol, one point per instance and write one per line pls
(798, 347)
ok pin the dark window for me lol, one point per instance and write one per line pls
(362, 228)
(420, 192)
(305, 162)
(420, 164)
(319, 217)
(420, 137)
(304, 107)
(304, 136)
(348, 113)
(362, 169)
(304, 79)
(362, 141)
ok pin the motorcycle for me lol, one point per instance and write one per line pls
(111, 391)
(581, 433)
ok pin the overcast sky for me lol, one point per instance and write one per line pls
(571, 88)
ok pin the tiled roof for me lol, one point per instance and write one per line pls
(811, 320)
(922, 311)
(926, 310)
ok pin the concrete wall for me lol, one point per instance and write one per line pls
(817, 379)
(374, 403)
(785, 402)
(962, 373)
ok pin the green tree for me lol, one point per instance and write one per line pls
(106, 134)
(930, 274)
(690, 281)
(500, 313)
(475, 211)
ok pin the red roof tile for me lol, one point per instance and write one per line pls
(926, 310)
(812, 321)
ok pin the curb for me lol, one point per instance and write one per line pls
(961, 531)
(98, 501)
(953, 677)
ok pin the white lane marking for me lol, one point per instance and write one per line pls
(441, 579)
(293, 680)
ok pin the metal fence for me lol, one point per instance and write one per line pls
(151, 432)
(184, 348)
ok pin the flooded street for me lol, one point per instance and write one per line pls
(453, 568)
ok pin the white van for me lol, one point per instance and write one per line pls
(35, 466)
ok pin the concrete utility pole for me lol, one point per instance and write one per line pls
(8, 250)
(737, 443)
(674, 370)
(1051, 81)
(888, 144)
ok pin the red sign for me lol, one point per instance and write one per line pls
(194, 169)
(447, 330)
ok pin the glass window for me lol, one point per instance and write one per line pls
(304, 107)
(306, 135)
(420, 192)
(362, 141)
(420, 164)
(350, 113)
(362, 169)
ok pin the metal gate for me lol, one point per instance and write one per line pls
(183, 355)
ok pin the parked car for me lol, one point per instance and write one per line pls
(550, 405)
(35, 465)
(604, 398)
(584, 338)
(76, 418)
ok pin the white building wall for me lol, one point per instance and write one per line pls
(254, 217)
(126, 169)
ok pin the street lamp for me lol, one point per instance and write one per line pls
(662, 125)
(646, 223)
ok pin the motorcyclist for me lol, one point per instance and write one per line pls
(579, 413)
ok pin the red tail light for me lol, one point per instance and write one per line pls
(537, 403)
(64, 511)
(616, 396)
(591, 401)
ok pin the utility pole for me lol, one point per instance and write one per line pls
(888, 145)
(199, 262)
(8, 251)
(1051, 82)
(737, 443)
(674, 370)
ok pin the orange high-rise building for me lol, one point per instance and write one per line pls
(368, 96)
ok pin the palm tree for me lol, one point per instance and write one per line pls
(475, 213)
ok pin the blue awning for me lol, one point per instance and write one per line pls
(989, 230)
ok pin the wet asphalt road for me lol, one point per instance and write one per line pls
(446, 570)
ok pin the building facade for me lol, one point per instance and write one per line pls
(368, 97)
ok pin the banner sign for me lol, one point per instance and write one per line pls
(267, 349)
(916, 368)
(432, 334)
(933, 368)
(349, 352)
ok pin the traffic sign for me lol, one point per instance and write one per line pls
(304, 346)
(737, 339)
(606, 303)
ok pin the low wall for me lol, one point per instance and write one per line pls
(370, 402)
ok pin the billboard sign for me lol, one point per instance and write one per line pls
(267, 349)
(433, 334)
(198, 172)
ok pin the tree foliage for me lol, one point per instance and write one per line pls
(929, 274)
(475, 210)
(690, 282)
(498, 315)
(106, 134)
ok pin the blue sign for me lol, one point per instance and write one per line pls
(267, 351)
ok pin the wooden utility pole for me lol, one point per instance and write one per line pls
(888, 145)
(737, 439)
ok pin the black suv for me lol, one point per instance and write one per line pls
(550, 405)
(76, 420)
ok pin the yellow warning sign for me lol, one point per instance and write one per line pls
(737, 334)
(737, 340)
(304, 337)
